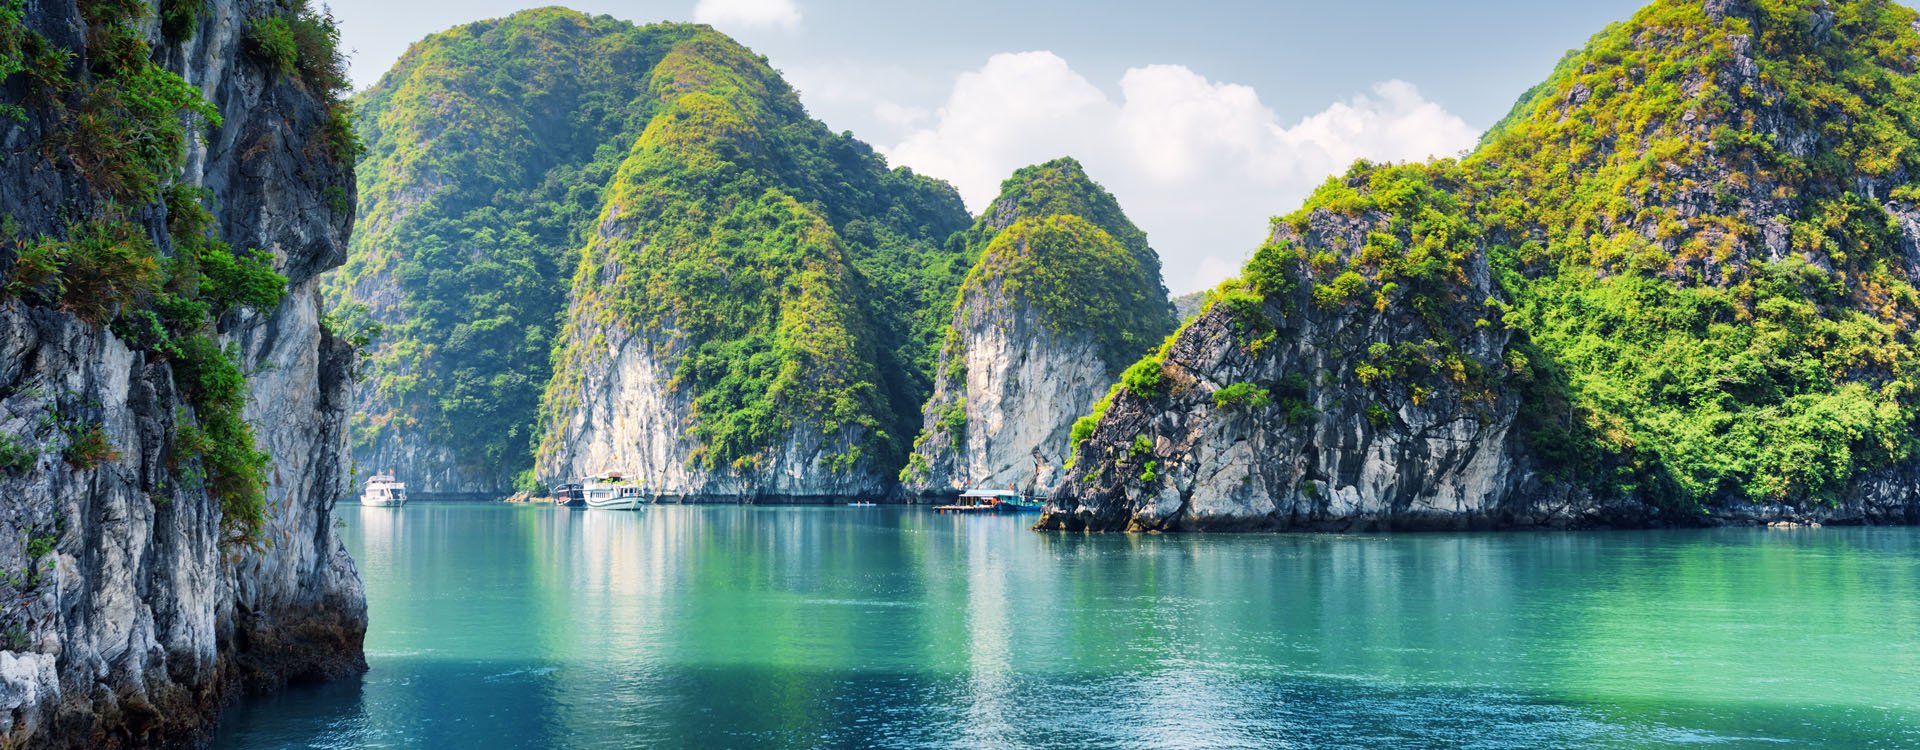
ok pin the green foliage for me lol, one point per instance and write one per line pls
(124, 123)
(1150, 472)
(36, 270)
(1084, 427)
(479, 274)
(88, 446)
(1242, 397)
(15, 455)
(128, 130)
(1685, 225)
(953, 421)
(1057, 240)
(179, 18)
(15, 40)
(528, 481)
(1146, 378)
(787, 263)
(1081, 280)
(1343, 289)
(916, 468)
(1378, 416)
(39, 547)
(1694, 368)
(24, 51)
(1292, 396)
(103, 267)
(271, 40)
(799, 281)
(235, 471)
(210, 271)
(353, 323)
(1062, 188)
(1057, 244)
(303, 45)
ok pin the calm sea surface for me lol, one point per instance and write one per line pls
(498, 626)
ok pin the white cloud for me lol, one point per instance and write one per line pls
(1200, 165)
(846, 86)
(781, 13)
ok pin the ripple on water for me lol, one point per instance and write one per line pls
(894, 628)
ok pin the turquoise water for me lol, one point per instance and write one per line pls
(499, 626)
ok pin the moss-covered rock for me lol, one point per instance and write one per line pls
(1692, 247)
(1064, 292)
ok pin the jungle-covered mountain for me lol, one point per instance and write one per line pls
(499, 151)
(1676, 283)
(1065, 291)
(487, 148)
(752, 315)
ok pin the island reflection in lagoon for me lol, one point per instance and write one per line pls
(742, 626)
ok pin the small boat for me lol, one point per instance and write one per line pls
(991, 501)
(570, 495)
(383, 490)
(862, 505)
(613, 491)
(1024, 504)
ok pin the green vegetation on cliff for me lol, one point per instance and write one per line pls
(1693, 224)
(1056, 244)
(487, 150)
(1058, 241)
(1721, 282)
(123, 124)
(1080, 280)
(786, 264)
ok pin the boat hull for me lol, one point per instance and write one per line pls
(617, 503)
(972, 509)
(370, 503)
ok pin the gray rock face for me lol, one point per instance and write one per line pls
(127, 623)
(1335, 454)
(630, 418)
(1004, 421)
(1324, 451)
(430, 470)
(1064, 291)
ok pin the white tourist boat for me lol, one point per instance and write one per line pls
(384, 490)
(614, 491)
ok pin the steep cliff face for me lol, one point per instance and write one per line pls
(1256, 416)
(749, 319)
(1672, 287)
(632, 420)
(146, 578)
(1054, 306)
(488, 147)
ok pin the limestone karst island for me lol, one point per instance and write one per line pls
(867, 374)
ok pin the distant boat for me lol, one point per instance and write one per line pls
(613, 491)
(862, 505)
(1024, 504)
(570, 495)
(991, 501)
(383, 490)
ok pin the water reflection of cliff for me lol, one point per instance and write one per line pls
(744, 626)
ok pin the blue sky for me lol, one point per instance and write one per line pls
(1204, 117)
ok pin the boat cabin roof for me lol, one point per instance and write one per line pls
(988, 493)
